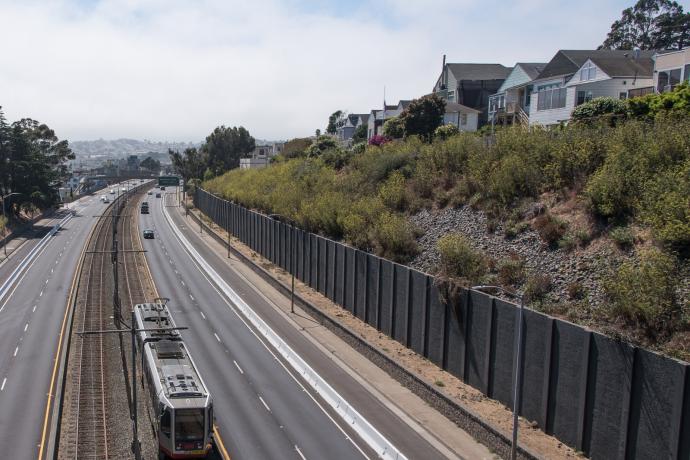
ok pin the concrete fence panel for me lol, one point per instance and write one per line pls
(503, 342)
(401, 297)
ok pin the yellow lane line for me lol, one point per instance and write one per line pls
(221, 446)
(70, 300)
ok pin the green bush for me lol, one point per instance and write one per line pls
(459, 260)
(622, 236)
(446, 131)
(644, 293)
(511, 272)
(394, 128)
(393, 193)
(608, 108)
(395, 238)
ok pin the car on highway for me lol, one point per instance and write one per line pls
(112, 191)
(105, 199)
(148, 234)
(158, 195)
(150, 193)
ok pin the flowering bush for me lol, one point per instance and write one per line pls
(379, 140)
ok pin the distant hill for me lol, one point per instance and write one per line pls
(124, 147)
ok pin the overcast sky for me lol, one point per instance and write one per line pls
(173, 70)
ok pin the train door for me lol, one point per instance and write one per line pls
(165, 430)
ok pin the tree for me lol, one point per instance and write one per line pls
(423, 116)
(360, 134)
(225, 146)
(610, 108)
(650, 24)
(191, 164)
(335, 121)
(296, 148)
(394, 128)
(320, 145)
(151, 164)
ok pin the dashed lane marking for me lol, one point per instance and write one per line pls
(26, 326)
(300, 453)
(264, 403)
(4, 381)
(191, 297)
(202, 314)
(16, 350)
(238, 367)
(217, 338)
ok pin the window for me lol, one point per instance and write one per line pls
(552, 98)
(189, 425)
(622, 95)
(451, 96)
(165, 422)
(686, 73)
(583, 96)
(668, 79)
(588, 72)
(463, 119)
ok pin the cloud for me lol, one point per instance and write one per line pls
(170, 69)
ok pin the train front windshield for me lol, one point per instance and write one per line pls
(189, 426)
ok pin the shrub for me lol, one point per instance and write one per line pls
(644, 293)
(394, 238)
(358, 148)
(602, 107)
(511, 272)
(536, 287)
(567, 242)
(575, 290)
(336, 158)
(321, 144)
(459, 260)
(379, 140)
(622, 236)
(446, 131)
(394, 128)
(393, 193)
(583, 237)
(550, 228)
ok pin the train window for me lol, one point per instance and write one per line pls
(189, 425)
(165, 422)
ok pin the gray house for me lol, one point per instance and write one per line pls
(471, 84)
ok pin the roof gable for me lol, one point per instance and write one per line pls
(567, 62)
(522, 73)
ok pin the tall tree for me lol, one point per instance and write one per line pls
(423, 116)
(334, 122)
(151, 164)
(189, 164)
(225, 146)
(650, 24)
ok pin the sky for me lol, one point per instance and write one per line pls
(174, 70)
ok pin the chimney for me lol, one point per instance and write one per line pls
(444, 74)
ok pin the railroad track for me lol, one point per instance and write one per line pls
(88, 416)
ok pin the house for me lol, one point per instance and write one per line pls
(352, 121)
(573, 77)
(261, 155)
(471, 84)
(377, 117)
(465, 118)
(671, 68)
(511, 102)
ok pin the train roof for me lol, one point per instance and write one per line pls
(155, 315)
(176, 371)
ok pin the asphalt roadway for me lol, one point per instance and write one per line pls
(263, 409)
(31, 317)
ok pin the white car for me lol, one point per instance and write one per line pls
(112, 191)
(105, 199)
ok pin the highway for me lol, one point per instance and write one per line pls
(32, 310)
(263, 409)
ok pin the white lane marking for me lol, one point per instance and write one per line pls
(52, 270)
(300, 453)
(191, 297)
(217, 338)
(238, 367)
(4, 381)
(46, 281)
(264, 403)
(202, 314)
(182, 283)
(41, 294)
(26, 326)
(16, 350)
(34, 309)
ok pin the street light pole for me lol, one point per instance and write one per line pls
(517, 382)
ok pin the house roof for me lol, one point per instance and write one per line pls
(364, 117)
(619, 62)
(532, 69)
(453, 107)
(462, 71)
(626, 66)
(404, 103)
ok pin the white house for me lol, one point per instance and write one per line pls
(573, 77)
(671, 68)
(511, 102)
(465, 118)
